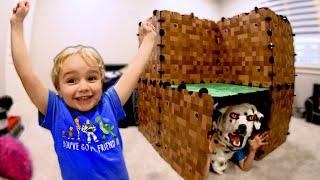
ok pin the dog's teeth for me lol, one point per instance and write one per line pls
(236, 143)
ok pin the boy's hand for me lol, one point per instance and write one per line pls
(20, 12)
(148, 30)
(258, 141)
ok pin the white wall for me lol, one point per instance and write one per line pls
(4, 17)
(109, 26)
(230, 8)
(304, 85)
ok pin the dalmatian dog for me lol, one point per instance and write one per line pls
(232, 130)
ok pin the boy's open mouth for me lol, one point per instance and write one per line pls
(83, 98)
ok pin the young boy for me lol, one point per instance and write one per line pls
(244, 161)
(82, 119)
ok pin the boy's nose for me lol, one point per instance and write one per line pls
(83, 86)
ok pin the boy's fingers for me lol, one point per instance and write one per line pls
(154, 28)
(27, 4)
(255, 138)
(264, 143)
(21, 4)
(146, 25)
(143, 26)
(264, 136)
(16, 7)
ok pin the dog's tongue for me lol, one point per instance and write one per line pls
(235, 140)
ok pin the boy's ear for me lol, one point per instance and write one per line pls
(58, 91)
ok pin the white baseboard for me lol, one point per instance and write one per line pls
(307, 69)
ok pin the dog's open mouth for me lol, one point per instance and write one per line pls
(236, 140)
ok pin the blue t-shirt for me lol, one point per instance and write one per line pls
(238, 156)
(88, 145)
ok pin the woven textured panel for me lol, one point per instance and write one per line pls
(179, 134)
(281, 110)
(146, 99)
(251, 49)
(190, 49)
(257, 49)
(254, 48)
(186, 49)
(244, 52)
(283, 51)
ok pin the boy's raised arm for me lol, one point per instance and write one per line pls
(254, 144)
(37, 92)
(129, 79)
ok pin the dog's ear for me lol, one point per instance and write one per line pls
(215, 115)
(259, 115)
(257, 125)
(215, 106)
(224, 109)
(214, 125)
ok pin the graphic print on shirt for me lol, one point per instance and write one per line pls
(89, 129)
(70, 133)
(77, 121)
(105, 128)
(97, 135)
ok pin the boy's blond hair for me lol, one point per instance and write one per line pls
(88, 54)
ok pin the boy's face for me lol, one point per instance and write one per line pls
(79, 85)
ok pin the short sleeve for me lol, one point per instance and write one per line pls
(113, 98)
(238, 156)
(47, 120)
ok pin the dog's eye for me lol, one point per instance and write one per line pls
(250, 118)
(234, 115)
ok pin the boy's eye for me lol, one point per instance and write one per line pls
(92, 78)
(71, 81)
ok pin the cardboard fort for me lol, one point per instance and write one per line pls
(197, 63)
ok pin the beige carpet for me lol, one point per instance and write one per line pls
(294, 160)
